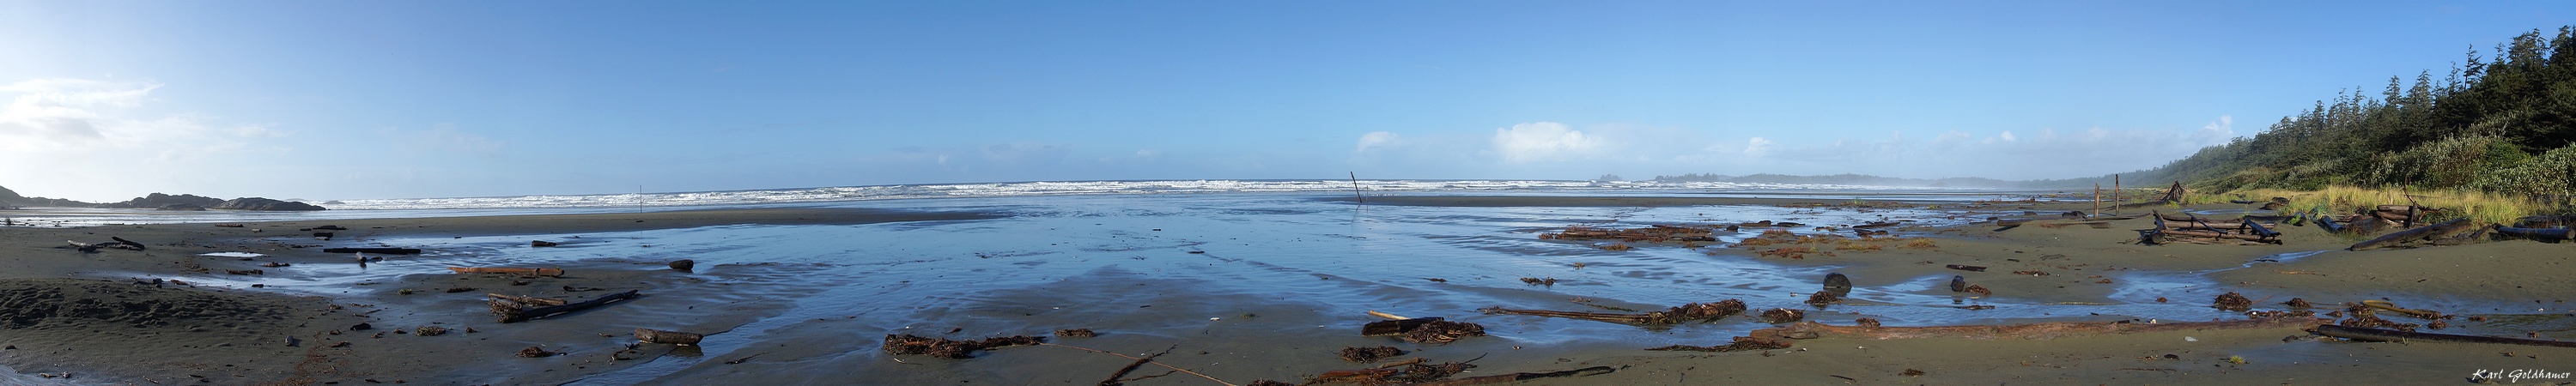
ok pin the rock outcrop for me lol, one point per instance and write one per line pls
(256, 203)
(9, 199)
(157, 200)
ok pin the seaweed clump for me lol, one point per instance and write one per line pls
(1782, 315)
(1369, 354)
(1697, 312)
(1742, 343)
(2233, 301)
(908, 344)
(1443, 331)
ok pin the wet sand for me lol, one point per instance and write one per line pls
(292, 334)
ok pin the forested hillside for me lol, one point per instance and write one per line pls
(2501, 121)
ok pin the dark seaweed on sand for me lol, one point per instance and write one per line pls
(1782, 315)
(2233, 301)
(1369, 354)
(1443, 332)
(1742, 343)
(907, 344)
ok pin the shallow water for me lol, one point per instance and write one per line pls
(1251, 275)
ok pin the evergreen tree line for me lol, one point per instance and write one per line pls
(2501, 123)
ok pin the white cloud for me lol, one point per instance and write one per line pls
(1757, 147)
(2008, 136)
(52, 128)
(1542, 141)
(1380, 139)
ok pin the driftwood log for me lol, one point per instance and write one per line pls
(120, 243)
(2543, 234)
(2421, 234)
(512, 310)
(647, 335)
(385, 251)
(2379, 335)
(550, 272)
(2218, 235)
(528, 300)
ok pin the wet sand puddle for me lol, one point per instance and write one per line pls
(1250, 286)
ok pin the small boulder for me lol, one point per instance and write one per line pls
(684, 265)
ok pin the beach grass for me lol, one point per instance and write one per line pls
(2456, 203)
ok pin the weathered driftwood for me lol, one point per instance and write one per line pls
(2217, 235)
(1517, 377)
(2545, 221)
(528, 300)
(120, 243)
(2539, 233)
(2425, 233)
(386, 251)
(2258, 229)
(647, 335)
(2379, 335)
(2328, 223)
(512, 311)
(552, 272)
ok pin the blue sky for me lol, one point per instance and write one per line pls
(386, 99)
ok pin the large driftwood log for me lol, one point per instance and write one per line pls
(647, 335)
(2426, 233)
(2538, 233)
(512, 311)
(2379, 335)
(552, 272)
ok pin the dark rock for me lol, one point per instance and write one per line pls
(1837, 283)
(684, 264)
(157, 200)
(1958, 283)
(256, 203)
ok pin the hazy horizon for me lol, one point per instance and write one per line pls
(292, 99)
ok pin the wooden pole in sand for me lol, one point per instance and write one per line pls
(2097, 200)
(1355, 188)
(2116, 195)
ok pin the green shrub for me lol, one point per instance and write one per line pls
(2553, 172)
